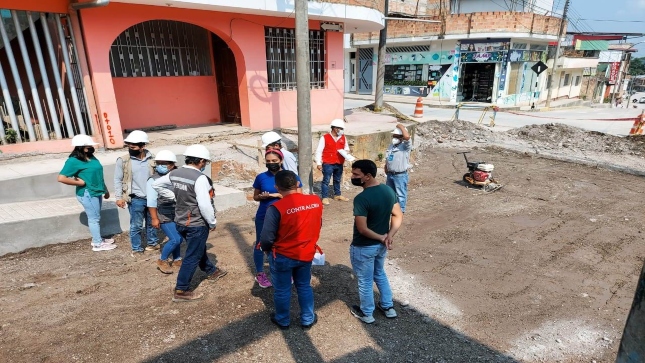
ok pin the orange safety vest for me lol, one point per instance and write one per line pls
(330, 153)
(300, 223)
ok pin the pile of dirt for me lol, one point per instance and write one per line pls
(552, 136)
(563, 136)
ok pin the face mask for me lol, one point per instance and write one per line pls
(395, 141)
(341, 132)
(90, 151)
(134, 153)
(357, 182)
(273, 167)
(162, 169)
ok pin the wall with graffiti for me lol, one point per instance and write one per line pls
(521, 99)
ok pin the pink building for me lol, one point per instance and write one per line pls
(132, 64)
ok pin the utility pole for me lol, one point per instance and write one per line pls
(557, 54)
(303, 91)
(380, 71)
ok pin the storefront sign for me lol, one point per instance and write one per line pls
(488, 46)
(444, 57)
(613, 72)
(518, 55)
(483, 57)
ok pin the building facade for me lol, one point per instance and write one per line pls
(458, 50)
(150, 63)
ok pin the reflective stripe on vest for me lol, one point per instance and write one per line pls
(330, 153)
(299, 230)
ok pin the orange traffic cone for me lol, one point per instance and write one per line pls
(418, 110)
(637, 127)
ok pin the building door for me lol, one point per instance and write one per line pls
(352, 72)
(226, 77)
(365, 71)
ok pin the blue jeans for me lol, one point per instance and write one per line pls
(282, 270)
(399, 183)
(173, 246)
(258, 255)
(328, 170)
(367, 263)
(195, 255)
(139, 212)
(92, 206)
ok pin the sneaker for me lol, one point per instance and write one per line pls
(103, 247)
(308, 326)
(282, 327)
(153, 248)
(218, 274)
(325, 201)
(186, 296)
(136, 254)
(108, 241)
(390, 313)
(357, 312)
(340, 198)
(164, 266)
(176, 264)
(263, 280)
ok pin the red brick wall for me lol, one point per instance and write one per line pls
(372, 4)
(485, 22)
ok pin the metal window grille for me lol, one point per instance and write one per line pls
(281, 58)
(161, 48)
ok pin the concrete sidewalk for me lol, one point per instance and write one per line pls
(446, 104)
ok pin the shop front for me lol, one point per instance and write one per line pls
(414, 71)
(483, 69)
(522, 86)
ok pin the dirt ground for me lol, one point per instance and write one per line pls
(543, 270)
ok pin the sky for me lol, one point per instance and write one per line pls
(609, 10)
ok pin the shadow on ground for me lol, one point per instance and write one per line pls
(412, 337)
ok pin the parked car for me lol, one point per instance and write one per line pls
(642, 100)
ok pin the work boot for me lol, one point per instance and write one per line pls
(176, 264)
(164, 266)
(218, 274)
(185, 296)
(153, 248)
(340, 198)
(325, 201)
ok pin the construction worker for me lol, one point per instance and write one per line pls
(162, 214)
(130, 178)
(331, 154)
(85, 172)
(273, 141)
(397, 162)
(194, 217)
(290, 233)
(377, 218)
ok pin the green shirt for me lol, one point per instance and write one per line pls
(91, 172)
(376, 204)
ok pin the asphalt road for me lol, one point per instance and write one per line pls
(607, 120)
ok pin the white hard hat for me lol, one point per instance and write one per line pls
(198, 151)
(269, 138)
(397, 131)
(166, 155)
(137, 137)
(83, 140)
(338, 123)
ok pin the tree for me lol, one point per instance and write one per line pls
(637, 66)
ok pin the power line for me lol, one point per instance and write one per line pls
(616, 20)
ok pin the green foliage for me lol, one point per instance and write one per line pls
(380, 157)
(637, 66)
(11, 135)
